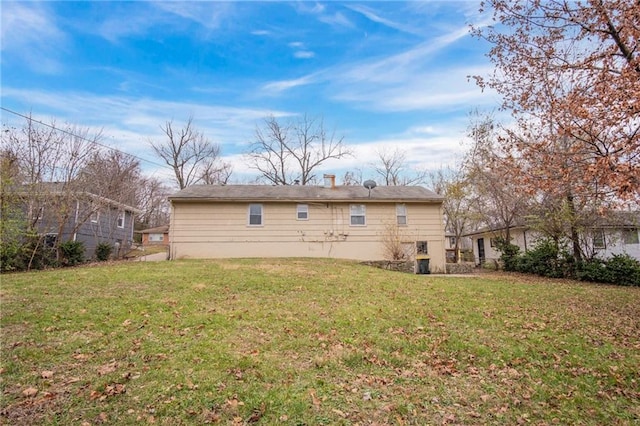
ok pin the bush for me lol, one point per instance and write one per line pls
(72, 253)
(620, 269)
(30, 253)
(509, 254)
(103, 251)
(545, 259)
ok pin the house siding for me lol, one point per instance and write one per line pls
(89, 233)
(220, 229)
(528, 239)
(106, 230)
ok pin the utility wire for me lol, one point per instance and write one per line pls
(93, 142)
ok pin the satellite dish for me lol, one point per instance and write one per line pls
(369, 184)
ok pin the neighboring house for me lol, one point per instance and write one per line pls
(350, 222)
(618, 235)
(64, 215)
(483, 242)
(464, 246)
(158, 236)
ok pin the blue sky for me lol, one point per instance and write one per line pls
(384, 75)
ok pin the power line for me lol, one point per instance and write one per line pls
(93, 142)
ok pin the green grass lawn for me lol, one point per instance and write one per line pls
(307, 342)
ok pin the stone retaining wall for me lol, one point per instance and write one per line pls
(460, 268)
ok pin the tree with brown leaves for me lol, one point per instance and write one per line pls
(569, 71)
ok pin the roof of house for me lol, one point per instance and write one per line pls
(305, 193)
(157, 230)
(46, 189)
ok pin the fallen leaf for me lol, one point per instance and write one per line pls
(29, 392)
(46, 374)
(257, 413)
(107, 368)
(314, 399)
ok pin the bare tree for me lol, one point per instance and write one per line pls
(285, 153)
(152, 201)
(352, 178)
(215, 172)
(50, 160)
(392, 168)
(458, 214)
(188, 152)
(496, 198)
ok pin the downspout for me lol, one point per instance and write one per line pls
(75, 221)
(524, 235)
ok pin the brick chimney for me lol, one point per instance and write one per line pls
(329, 181)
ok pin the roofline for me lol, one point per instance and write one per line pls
(90, 195)
(494, 230)
(434, 200)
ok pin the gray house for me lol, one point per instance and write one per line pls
(65, 215)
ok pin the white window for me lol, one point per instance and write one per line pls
(302, 212)
(156, 238)
(452, 241)
(120, 219)
(255, 214)
(598, 239)
(401, 214)
(630, 236)
(95, 216)
(358, 215)
(421, 247)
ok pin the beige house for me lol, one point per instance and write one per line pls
(350, 222)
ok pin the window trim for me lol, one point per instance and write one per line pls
(599, 234)
(302, 208)
(94, 217)
(422, 248)
(156, 234)
(401, 208)
(261, 215)
(627, 232)
(122, 215)
(363, 215)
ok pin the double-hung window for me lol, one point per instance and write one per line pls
(302, 212)
(630, 236)
(598, 239)
(401, 214)
(358, 214)
(255, 214)
(120, 220)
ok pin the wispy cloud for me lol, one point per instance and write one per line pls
(277, 87)
(375, 17)
(304, 54)
(208, 14)
(30, 34)
(400, 82)
(300, 51)
(139, 119)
